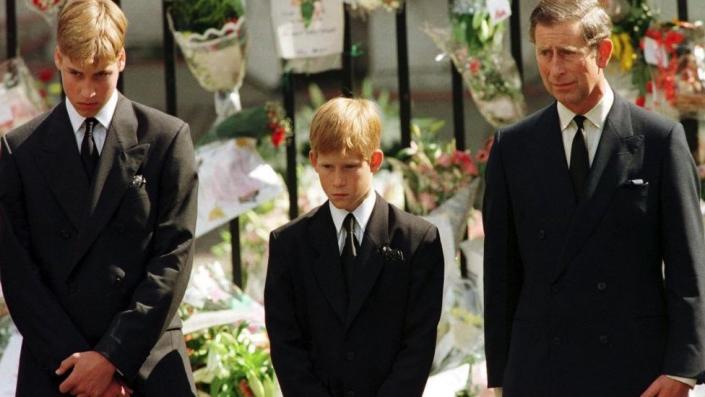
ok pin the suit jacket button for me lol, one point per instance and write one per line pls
(350, 356)
(604, 339)
(65, 234)
(542, 234)
(601, 286)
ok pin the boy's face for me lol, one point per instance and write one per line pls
(346, 178)
(88, 87)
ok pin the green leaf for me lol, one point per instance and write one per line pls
(307, 9)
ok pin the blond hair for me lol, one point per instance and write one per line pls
(595, 24)
(91, 31)
(346, 125)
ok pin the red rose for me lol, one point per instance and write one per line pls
(640, 101)
(45, 75)
(278, 136)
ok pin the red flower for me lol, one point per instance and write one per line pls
(278, 136)
(245, 388)
(640, 101)
(650, 86)
(45, 74)
(672, 39)
(474, 66)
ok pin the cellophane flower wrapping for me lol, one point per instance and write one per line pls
(217, 59)
(474, 43)
(20, 100)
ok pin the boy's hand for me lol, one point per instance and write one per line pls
(91, 374)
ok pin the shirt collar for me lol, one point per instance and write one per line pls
(362, 213)
(597, 115)
(104, 115)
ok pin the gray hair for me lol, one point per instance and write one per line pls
(595, 24)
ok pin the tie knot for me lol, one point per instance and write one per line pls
(579, 120)
(90, 123)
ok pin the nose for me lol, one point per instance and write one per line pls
(338, 179)
(87, 91)
(556, 67)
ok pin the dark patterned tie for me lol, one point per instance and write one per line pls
(89, 151)
(579, 160)
(350, 250)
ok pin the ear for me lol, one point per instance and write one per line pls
(313, 158)
(376, 160)
(604, 52)
(122, 60)
(57, 58)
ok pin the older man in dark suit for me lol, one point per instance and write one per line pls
(98, 209)
(586, 200)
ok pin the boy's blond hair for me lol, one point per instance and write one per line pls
(91, 31)
(346, 125)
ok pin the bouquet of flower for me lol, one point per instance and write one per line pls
(20, 101)
(677, 50)
(630, 20)
(474, 44)
(47, 8)
(232, 361)
(433, 172)
(366, 6)
(213, 38)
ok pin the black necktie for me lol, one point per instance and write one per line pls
(579, 160)
(350, 250)
(89, 152)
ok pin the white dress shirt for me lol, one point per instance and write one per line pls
(592, 127)
(361, 214)
(100, 130)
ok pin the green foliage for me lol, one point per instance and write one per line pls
(199, 15)
(227, 363)
(477, 30)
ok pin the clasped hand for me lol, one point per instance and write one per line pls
(92, 375)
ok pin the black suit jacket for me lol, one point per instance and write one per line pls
(383, 344)
(576, 299)
(99, 266)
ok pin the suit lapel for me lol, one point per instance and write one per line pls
(369, 262)
(327, 268)
(60, 162)
(120, 159)
(614, 155)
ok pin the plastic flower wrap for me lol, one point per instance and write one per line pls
(433, 172)
(212, 36)
(364, 7)
(19, 99)
(677, 51)
(474, 44)
(47, 8)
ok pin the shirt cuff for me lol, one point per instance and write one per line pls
(688, 381)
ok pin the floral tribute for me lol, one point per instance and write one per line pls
(433, 172)
(364, 7)
(474, 44)
(212, 36)
(47, 8)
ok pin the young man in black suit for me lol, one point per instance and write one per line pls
(97, 218)
(354, 287)
(594, 249)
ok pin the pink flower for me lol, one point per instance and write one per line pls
(444, 160)
(427, 200)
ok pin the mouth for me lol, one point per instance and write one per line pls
(339, 196)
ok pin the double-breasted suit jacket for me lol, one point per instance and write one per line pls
(99, 265)
(577, 300)
(383, 344)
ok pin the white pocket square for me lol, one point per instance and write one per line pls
(636, 182)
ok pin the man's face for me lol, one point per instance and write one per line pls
(88, 87)
(346, 178)
(571, 70)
